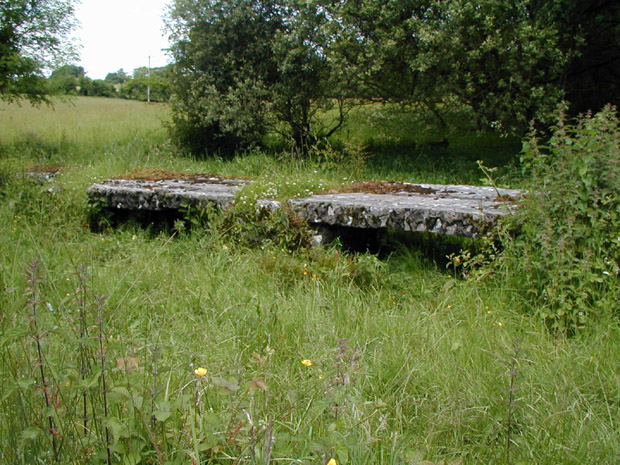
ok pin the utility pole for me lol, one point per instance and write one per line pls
(148, 83)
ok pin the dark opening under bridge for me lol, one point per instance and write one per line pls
(456, 210)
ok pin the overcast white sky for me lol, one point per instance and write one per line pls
(118, 34)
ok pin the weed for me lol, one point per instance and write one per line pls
(33, 303)
(512, 389)
(567, 256)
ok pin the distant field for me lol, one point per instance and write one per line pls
(81, 119)
(389, 144)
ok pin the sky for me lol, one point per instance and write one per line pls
(116, 34)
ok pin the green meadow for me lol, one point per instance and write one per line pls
(221, 340)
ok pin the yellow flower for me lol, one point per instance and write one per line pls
(307, 363)
(332, 461)
(200, 371)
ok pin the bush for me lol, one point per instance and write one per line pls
(567, 257)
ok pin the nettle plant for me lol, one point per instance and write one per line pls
(567, 256)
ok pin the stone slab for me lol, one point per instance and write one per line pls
(443, 209)
(166, 194)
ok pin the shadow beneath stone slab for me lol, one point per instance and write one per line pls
(383, 242)
(155, 221)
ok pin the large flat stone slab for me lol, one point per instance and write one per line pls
(166, 194)
(444, 209)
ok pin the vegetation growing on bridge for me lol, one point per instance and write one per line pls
(238, 342)
(204, 331)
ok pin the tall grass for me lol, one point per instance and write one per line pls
(410, 365)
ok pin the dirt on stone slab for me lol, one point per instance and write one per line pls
(191, 178)
(381, 187)
(51, 169)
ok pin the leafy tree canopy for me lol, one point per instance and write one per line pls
(33, 39)
(73, 71)
(117, 78)
(509, 60)
(243, 66)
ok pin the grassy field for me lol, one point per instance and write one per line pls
(309, 353)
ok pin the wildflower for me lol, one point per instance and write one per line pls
(200, 371)
(332, 461)
(307, 363)
(449, 307)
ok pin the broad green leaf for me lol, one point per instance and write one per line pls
(31, 433)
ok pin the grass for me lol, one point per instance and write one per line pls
(410, 365)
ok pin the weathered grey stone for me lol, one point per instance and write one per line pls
(443, 209)
(43, 174)
(165, 194)
(267, 205)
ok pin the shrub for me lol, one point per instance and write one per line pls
(567, 256)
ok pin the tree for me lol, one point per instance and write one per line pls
(508, 60)
(33, 39)
(66, 80)
(136, 89)
(489, 55)
(591, 30)
(309, 82)
(118, 77)
(153, 83)
(244, 67)
(101, 88)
